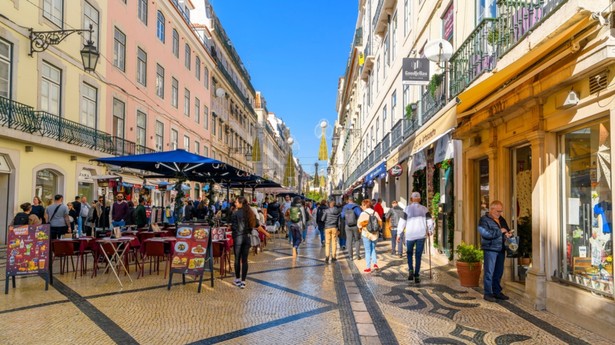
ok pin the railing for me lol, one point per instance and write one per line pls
(72, 132)
(122, 147)
(17, 116)
(478, 54)
(396, 134)
(410, 126)
(378, 152)
(184, 13)
(370, 158)
(432, 102)
(358, 37)
(225, 41)
(140, 149)
(386, 144)
(234, 85)
(377, 14)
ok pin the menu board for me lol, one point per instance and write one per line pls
(28, 250)
(218, 234)
(190, 251)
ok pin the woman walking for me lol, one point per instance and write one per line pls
(243, 220)
(369, 237)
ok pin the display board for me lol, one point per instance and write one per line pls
(192, 252)
(28, 252)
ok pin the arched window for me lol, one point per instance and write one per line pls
(160, 27)
(47, 185)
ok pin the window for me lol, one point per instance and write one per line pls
(377, 74)
(387, 56)
(187, 53)
(90, 17)
(197, 110)
(186, 102)
(206, 78)
(587, 217)
(406, 16)
(174, 139)
(159, 136)
(160, 27)
(175, 43)
(174, 92)
(141, 67)
(197, 147)
(197, 68)
(141, 131)
(206, 116)
(51, 88)
(53, 10)
(119, 112)
(213, 125)
(205, 151)
(186, 143)
(394, 37)
(119, 49)
(160, 81)
(384, 119)
(142, 10)
(6, 68)
(393, 106)
(47, 182)
(89, 107)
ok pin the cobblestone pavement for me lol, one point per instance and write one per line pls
(288, 300)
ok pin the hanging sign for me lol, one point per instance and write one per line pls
(415, 71)
(396, 170)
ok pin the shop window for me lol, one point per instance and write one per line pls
(587, 238)
(47, 185)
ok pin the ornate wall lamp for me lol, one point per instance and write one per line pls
(41, 40)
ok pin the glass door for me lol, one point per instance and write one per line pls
(521, 209)
(482, 167)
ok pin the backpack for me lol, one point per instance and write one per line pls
(295, 214)
(319, 214)
(21, 218)
(350, 217)
(372, 224)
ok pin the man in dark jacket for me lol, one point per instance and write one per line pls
(319, 220)
(353, 235)
(493, 233)
(273, 210)
(394, 214)
(331, 217)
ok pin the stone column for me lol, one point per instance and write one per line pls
(535, 282)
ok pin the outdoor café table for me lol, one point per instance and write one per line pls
(169, 243)
(120, 246)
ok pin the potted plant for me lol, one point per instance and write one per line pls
(410, 109)
(434, 83)
(469, 267)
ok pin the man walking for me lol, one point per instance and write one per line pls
(394, 214)
(330, 219)
(493, 231)
(119, 211)
(415, 225)
(56, 216)
(350, 214)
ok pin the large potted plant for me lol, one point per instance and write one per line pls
(469, 267)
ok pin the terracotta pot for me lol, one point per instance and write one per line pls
(469, 273)
(525, 261)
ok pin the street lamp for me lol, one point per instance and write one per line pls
(41, 40)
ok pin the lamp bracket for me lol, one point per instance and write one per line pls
(41, 40)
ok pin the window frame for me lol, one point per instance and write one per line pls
(141, 66)
(160, 81)
(142, 11)
(119, 49)
(8, 61)
(119, 131)
(49, 13)
(88, 100)
(51, 82)
(160, 26)
(174, 93)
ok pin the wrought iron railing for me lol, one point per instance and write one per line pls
(378, 152)
(17, 116)
(386, 144)
(396, 134)
(140, 149)
(358, 37)
(377, 14)
(431, 102)
(61, 129)
(410, 126)
(234, 86)
(122, 147)
(184, 12)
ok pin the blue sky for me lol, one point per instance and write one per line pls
(295, 52)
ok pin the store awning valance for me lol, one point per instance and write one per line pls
(378, 172)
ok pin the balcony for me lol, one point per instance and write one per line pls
(368, 65)
(24, 118)
(431, 102)
(410, 126)
(226, 42)
(494, 37)
(234, 86)
(378, 152)
(386, 144)
(183, 11)
(381, 17)
(358, 38)
(396, 134)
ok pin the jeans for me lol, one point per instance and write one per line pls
(354, 237)
(80, 225)
(342, 242)
(370, 252)
(295, 232)
(290, 233)
(394, 243)
(331, 242)
(419, 252)
(321, 230)
(241, 245)
(119, 223)
(304, 233)
(492, 272)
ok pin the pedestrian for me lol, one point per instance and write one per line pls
(25, 217)
(56, 216)
(394, 214)
(83, 215)
(286, 225)
(322, 206)
(37, 208)
(273, 210)
(493, 231)
(378, 208)
(243, 220)
(415, 225)
(202, 210)
(140, 214)
(72, 216)
(331, 219)
(307, 208)
(349, 216)
(297, 220)
(77, 207)
(119, 211)
(370, 224)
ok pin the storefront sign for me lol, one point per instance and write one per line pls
(28, 250)
(415, 71)
(425, 138)
(378, 172)
(85, 175)
(396, 170)
(448, 23)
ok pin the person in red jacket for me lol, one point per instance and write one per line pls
(378, 208)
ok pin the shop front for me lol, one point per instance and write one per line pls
(375, 181)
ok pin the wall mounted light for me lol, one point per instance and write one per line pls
(29, 148)
(41, 40)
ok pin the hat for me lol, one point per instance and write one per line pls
(416, 195)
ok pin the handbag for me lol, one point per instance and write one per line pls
(255, 241)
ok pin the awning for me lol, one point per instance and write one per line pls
(418, 162)
(377, 173)
(483, 89)
(436, 130)
(444, 148)
(393, 160)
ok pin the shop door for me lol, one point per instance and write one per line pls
(521, 208)
(482, 192)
